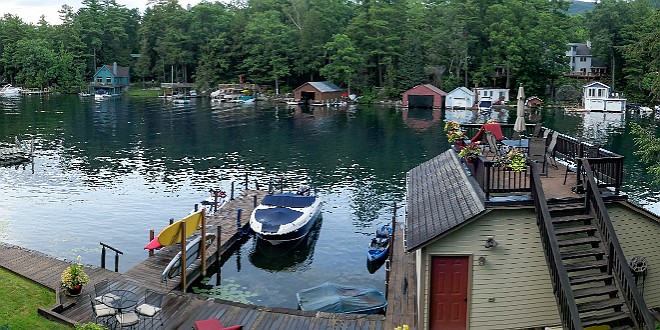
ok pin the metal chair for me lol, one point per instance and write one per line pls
(537, 130)
(492, 145)
(550, 151)
(100, 311)
(536, 152)
(101, 288)
(128, 319)
(151, 307)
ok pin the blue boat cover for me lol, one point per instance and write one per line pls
(288, 200)
(335, 298)
(272, 219)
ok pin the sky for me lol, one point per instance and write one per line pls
(31, 10)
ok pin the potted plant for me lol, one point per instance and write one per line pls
(470, 152)
(452, 126)
(456, 136)
(514, 160)
(73, 278)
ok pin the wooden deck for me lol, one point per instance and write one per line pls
(180, 310)
(402, 286)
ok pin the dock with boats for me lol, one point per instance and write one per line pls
(180, 308)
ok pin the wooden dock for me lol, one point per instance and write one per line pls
(402, 285)
(180, 310)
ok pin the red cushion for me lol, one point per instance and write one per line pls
(233, 327)
(210, 324)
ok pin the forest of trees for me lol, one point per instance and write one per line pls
(383, 46)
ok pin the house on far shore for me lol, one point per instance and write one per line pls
(111, 79)
(596, 96)
(498, 96)
(317, 92)
(582, 62)
(533, 101)
(460, 97)
(424, 96)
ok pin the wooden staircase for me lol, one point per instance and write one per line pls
(597, 297)
(590, 275)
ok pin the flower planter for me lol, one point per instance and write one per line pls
(75, 291)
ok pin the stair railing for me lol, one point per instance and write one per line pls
(617, 264)
(561, 285)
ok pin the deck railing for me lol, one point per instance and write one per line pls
(561, 285)
(616, 261)
(494, 179)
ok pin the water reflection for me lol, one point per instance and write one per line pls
(292, 257)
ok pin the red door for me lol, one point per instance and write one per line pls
(448, 309)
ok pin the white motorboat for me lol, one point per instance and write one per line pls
(285, 216)
(10, 90)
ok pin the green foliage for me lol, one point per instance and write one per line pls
(648, 148)
(90, 326)
(227, 291)
(5, 326)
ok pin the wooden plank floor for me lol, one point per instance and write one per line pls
(180, 310)
(402, 286)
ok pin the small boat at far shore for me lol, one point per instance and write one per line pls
(342, 299)
(10, 90)
(285, 216)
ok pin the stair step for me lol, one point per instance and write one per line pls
(571, 218)
(578, 241)
(566, 209)
(604, 319)
(585, 265)
(575, 230)
(595, 291)
(599, 305)
(582, 253)
(581, 279)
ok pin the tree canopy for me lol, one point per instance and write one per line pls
(385, 45)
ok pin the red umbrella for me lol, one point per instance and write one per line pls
(344, 95)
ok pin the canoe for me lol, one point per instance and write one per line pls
(380, 244)
(193, 250)
(335, 298)
(172, 233)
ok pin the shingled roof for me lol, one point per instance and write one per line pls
(439, 197)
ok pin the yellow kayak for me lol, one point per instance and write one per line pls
(172, 233)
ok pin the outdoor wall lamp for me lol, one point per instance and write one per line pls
(482, 260)
(490, 242)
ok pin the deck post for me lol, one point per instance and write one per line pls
(215, 201)
(116, 262)
(183, 256)
(218, 278)
(151, 238)
(238, 220)
(232, 191)
(254, 201)
(103, 257)
(256, 184)
(270, 186)
(203, 242)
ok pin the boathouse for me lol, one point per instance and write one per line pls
(596, 96)
(498, 96)
(460, 97)
(498, 250)
(111, 79)
(424, 96)
(533, 101)
(317, 92)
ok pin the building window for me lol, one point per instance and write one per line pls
(99, 79)
(108, 80)
(591, 93)
(600, 93)
(583, 59)
(491, 93)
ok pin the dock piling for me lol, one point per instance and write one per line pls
(151, 238)
(232, 191)
(238, 220)
(254, 202)
(246, 181)
(218, 279)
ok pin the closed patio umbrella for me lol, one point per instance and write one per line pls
(519, 126)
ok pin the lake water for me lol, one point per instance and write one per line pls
(110, 171)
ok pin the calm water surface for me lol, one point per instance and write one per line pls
(110, 171)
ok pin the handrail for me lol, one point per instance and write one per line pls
(494, 179)
(117, 253)
(561, 285)
(617, 264)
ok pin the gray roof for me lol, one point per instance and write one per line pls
(325, 86)
(597, 63)
(439, 197)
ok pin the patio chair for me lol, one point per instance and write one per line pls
(214, 324)
(128, 319)
(537, 130)
(100, 311)
(151, 307)
(516, 135)
(101, 288)
(536, 152)
(492, 146)
(550, 151)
